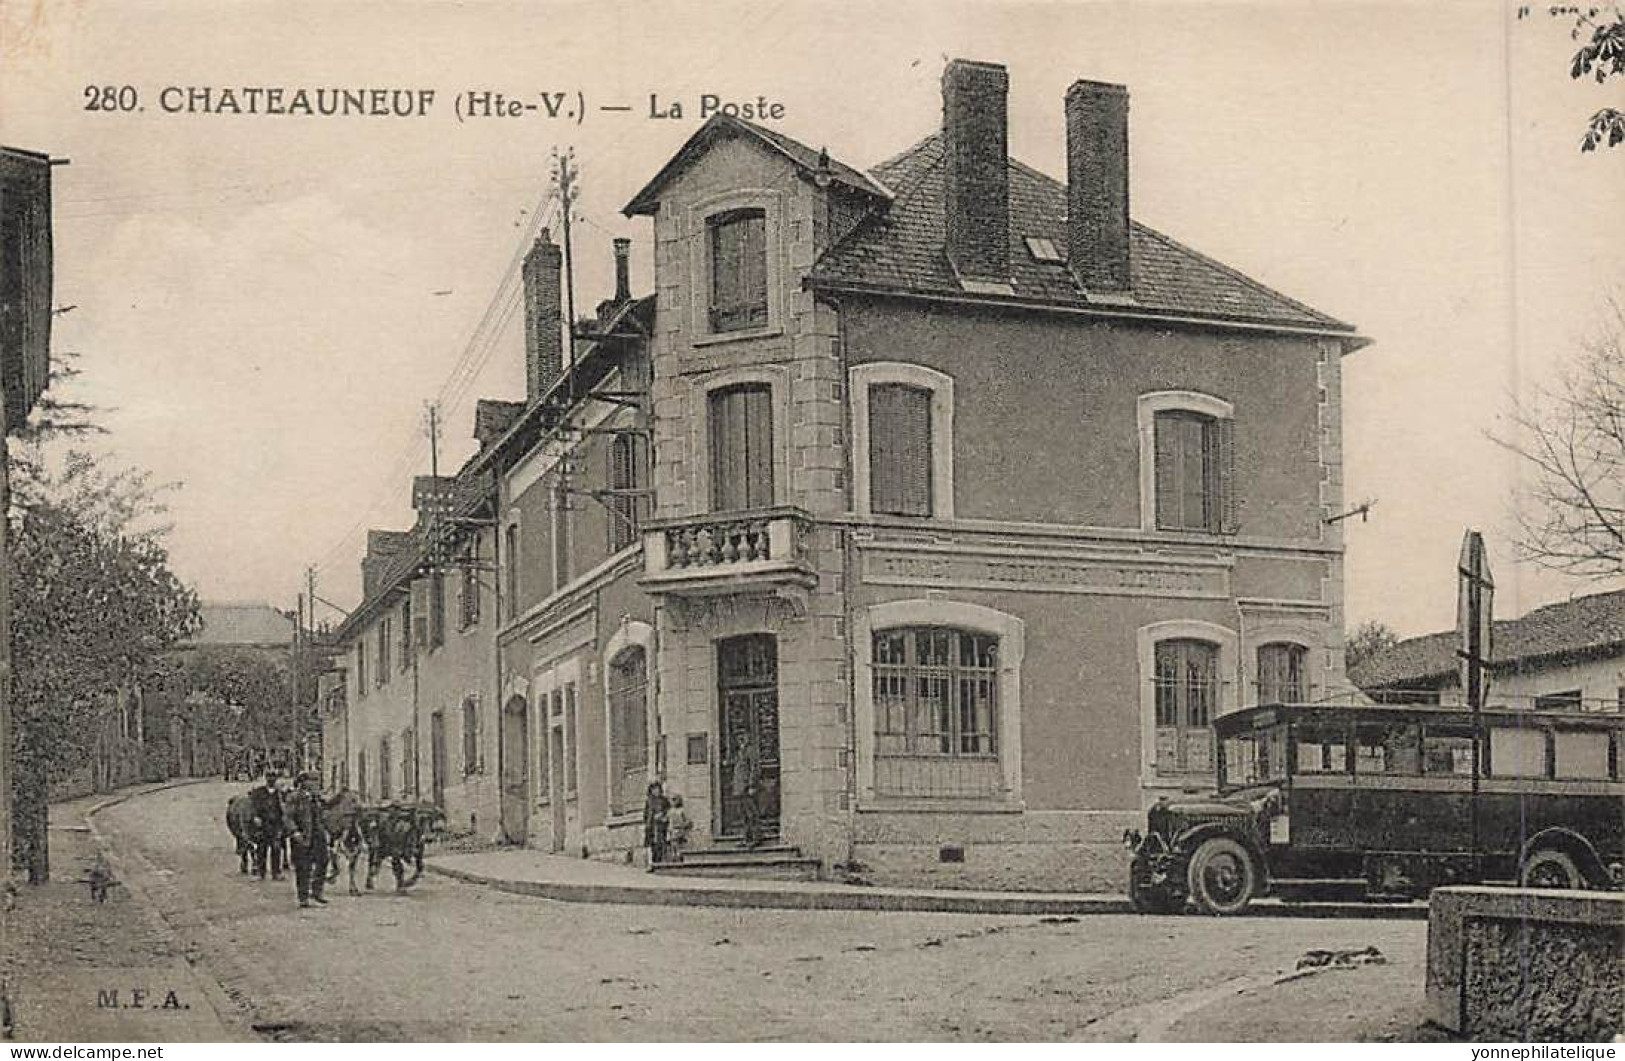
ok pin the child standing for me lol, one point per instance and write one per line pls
(678, 826)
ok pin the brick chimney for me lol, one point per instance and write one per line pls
(1097, 185)
(544, 339)
(976, 147)
(623, 270)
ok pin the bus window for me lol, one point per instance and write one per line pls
(1322, 748)
(1581, 755)
(1256, 757)
(1448, 750)
(1518, 752)
(1388, 748)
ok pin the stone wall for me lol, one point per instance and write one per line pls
(1519, 964)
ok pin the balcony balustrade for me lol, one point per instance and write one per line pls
(728, 552)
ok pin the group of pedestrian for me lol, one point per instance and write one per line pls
(293, 828)
(666, 824)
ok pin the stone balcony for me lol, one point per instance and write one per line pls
(764, 550)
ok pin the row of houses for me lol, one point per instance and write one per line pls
(954, 496)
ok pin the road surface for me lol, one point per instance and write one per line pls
(453, 961)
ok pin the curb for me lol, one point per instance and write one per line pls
(774, 899)
(893, 901)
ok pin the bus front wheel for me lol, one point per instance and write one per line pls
(1551, 869)
(1222, 876)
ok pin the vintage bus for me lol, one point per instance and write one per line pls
(1316, 801)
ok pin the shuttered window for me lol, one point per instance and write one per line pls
(1281, 666)
(1195, 472)
(1187, 697)
(511, 571)
(628, 474)
(437, 610)
(738, 270)
(471, 735)
(742, 448)
(561, 536)
(899, 449)
(628, 688)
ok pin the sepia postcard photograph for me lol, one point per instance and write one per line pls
(648, 521)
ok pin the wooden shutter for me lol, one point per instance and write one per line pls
(1222, 489)
(753, 270)
(900, 450)
(742, 448)
(1166, 446)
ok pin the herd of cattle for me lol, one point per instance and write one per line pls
(355, 832)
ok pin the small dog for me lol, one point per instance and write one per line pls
(100, 878)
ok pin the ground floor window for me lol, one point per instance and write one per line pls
(1187, 695)
(936, 711)
(628, 692)
(1281, 669)
(383, 769)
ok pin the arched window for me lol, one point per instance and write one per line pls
(899, 450)
(628, 692)
(936, 698)
(1187, 697)
(1281, 673)
(1187, 462)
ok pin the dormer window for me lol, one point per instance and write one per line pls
(738, 270)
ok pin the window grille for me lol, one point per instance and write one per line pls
(936, 712)
(1187, 695)
(900, 449)
(1281, 667)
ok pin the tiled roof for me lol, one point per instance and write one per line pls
(242, 624)
(902, 250)
(805, 159)
(1580, 627)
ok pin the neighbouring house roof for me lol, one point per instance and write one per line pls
(901, 251)
(1579, 628)
(242, 624)
(809, 162)
(492, 418)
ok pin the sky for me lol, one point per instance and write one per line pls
(265, 304)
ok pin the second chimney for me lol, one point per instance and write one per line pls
(976, 148)
(623, 269)
(544, 340)
(1097, 185)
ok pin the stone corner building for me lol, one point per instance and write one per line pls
(967, 499)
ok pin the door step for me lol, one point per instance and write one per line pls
(767, 862)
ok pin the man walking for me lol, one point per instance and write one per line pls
(307, 825)
(267, 802)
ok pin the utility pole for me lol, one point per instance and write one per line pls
(565, 174)
(434, 438)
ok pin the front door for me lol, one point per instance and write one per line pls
(515, 771)
(437, 758)
(748, 698)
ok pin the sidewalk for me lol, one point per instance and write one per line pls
(79, 971)
(577, 880)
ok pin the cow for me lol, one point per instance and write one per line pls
(345, 833)
(398, 833)
(247, 829)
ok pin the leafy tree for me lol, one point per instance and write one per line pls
(94, 605)
(1369, 640)
(1571, 440)
(1602, 56)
